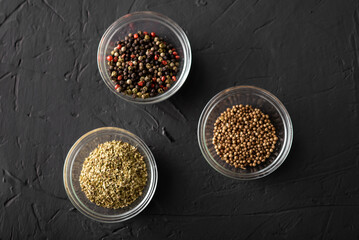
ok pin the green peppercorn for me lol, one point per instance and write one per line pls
(160, 90)
(114, 74)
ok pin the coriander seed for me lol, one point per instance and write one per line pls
(244, 136)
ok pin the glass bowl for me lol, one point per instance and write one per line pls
(73, 166)
(150, 22)
(258, 98)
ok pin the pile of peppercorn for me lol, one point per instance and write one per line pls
(143, 65)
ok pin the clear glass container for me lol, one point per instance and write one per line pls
(255, 97)
(73, 166)
(150, 22)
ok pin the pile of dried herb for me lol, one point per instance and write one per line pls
(113, 175)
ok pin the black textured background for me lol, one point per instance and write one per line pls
(305, 52)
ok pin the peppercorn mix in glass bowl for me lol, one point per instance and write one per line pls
(245, 132)
(144, 57)
(92, 192)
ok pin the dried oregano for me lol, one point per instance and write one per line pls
(113, 175)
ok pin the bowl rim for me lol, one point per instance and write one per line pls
(283, 153)
(80, 206)
(172, 26)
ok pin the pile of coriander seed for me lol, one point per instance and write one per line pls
(143, 65)
(244, 136)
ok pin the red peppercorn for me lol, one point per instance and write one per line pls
(154, 79)
(175, 53)
(123, 55)
(156, 57)
(152, 85)
(109, 58)
(119, 46)
(133, 55)
(173, 49)
(135, 35)
(115, 59)
(174, 78)
(161, 86)
(163, 78)
(117, 86)
(145, 33)
(130, 63)
(177, 57)
(164, 62)
(165, 88)
(153, 34)
(140, 84)
(119, 78)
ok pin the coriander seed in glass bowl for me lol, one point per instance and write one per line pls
(151, 22)
(257, 98)
(74, 164)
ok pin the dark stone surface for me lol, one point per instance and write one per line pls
(305, 52)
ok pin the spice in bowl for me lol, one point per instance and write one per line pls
(114, 175)
(244, 136)
(143, 65)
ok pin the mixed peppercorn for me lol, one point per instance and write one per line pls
(143, 65)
